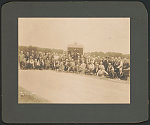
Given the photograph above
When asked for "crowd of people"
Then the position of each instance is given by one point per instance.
(112, 67)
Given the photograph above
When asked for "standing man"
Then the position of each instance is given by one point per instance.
(21, 60)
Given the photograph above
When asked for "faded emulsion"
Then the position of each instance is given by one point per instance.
(74, 60)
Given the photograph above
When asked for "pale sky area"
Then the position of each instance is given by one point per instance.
(95, 34)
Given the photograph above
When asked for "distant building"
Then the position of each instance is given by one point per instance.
(75, 50)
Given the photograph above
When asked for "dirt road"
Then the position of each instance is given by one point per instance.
(58, 87)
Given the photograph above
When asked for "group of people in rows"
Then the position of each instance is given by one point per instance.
(112, 67)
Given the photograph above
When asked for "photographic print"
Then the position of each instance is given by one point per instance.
(74, 60)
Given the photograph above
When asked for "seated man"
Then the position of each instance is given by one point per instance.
(52, 61)
(41, 63)
(77, 66)
(61, 67)
(96, 68)
(119, 68)
(110, 70)
(91, 67)
(126, 64)
(31, 62)
(57, 65)
(82, 67)
(101, 72)
(66, 65)
(36, 64)
(72, 66)
(47, 63)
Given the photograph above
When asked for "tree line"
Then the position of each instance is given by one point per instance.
(60, 51)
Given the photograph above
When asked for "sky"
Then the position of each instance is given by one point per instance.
(95, 34)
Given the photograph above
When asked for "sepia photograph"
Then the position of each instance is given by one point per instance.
(74, 60)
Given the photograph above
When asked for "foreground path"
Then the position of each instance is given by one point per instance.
(58, 87)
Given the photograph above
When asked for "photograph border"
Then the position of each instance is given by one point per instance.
(136, 111)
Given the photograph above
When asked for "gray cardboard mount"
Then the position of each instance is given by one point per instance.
(137, 111)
